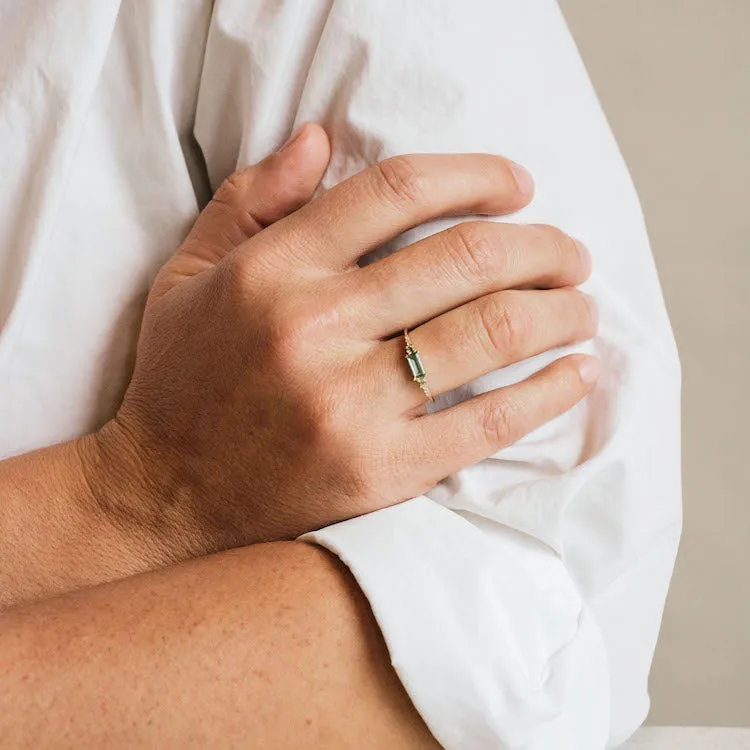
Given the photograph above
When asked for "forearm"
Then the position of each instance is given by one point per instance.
(73, 515)
(268, 646)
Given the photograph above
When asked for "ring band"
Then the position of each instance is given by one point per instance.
(416, 366)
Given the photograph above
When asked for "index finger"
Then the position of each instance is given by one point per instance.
(395, 195)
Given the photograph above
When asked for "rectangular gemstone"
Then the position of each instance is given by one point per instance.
(415, 365)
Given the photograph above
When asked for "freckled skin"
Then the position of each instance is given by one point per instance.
(272, 646)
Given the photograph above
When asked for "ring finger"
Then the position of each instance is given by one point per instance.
(484, 335)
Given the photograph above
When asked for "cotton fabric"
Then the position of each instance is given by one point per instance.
(521, 598)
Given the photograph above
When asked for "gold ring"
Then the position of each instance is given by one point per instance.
(416, 366)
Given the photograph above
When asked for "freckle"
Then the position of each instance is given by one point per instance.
(263, 675)
(308, 721)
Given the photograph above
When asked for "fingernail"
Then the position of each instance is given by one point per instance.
(584, 254)
(293, 137)
(523, 178)
(589, 369)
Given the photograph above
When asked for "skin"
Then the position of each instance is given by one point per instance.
(272, 646)
(269, 398)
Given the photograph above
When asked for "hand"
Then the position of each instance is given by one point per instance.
(271, 395)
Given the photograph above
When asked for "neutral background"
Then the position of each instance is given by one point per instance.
(674, 79)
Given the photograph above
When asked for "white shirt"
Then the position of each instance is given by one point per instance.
(521, 599)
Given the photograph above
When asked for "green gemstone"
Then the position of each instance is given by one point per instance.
(415, 365)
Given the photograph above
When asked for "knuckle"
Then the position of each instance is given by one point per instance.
(497, 423)
(470, 249)
(286, 332)
(502, 326)
(236, 277)
(246, 277)
(232, 199)
(233, 188)
(400, 181)
(562, 247)
(295, 328)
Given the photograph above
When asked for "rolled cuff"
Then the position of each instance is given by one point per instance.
(484, 627)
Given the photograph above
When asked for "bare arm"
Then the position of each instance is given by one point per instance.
(272, 646)
(55, 536)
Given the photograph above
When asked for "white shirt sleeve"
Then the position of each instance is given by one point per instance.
(521, 599)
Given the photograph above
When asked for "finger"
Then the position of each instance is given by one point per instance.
(486, 334)
(251, 199)
(458, 265)
(387, 198)
(254, 197)
(462, 435)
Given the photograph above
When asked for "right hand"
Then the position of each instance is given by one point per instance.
(271, 396)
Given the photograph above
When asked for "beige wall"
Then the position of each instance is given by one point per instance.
(674, 79)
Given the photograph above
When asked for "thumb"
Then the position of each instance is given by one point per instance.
(250, 200)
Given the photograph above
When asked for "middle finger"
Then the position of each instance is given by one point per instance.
(457, 265)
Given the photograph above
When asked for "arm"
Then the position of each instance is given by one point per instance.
(538, 627)
(54, 536)
(268, 647)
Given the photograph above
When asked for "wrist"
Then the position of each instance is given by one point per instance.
(136, 493)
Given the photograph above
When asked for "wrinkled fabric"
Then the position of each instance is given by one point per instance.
(521, 598)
